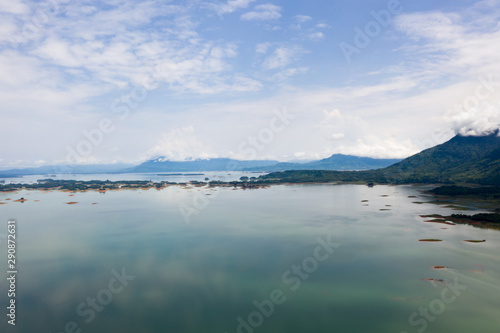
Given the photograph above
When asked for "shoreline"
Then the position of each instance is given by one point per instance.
(103, 186)
(75, 186)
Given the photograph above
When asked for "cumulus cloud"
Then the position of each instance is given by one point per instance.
(13, 7)
(480, 121)
(88, 54)
(316, 36)
(356, 141)
(287, 73)
(335, 118)
(302, 18)
(263, 13)
(229, 6)
(460, 43)
(117, 46)
(375, 147)
(337, 136)
(179, 145)
(299, 19)
(434, 25)
(283, 56)
(262, 48)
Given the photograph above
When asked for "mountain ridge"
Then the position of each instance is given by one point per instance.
(334, 162)
(161, 164)
(211, 164)
(462, 159)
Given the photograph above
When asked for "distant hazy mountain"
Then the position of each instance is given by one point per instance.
(460, 160)
(68, 169)
(334, 162)
(160, 164)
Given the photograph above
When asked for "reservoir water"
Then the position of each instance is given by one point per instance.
(301, 258)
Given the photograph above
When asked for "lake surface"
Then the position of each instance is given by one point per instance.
(301, 258)
(177, 177)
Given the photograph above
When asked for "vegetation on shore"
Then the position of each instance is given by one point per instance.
(492, 192)
(488, 195)
(104, 185)
(491, 220)
(485, 220)
(460, 160)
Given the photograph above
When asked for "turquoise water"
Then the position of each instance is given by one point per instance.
(197, 260)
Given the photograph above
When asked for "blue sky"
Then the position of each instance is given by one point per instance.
(123, 81)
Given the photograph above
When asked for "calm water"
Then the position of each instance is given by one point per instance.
(247, 261)
(225, 176)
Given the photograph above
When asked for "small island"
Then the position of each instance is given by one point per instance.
(106, 185)
(486, 196)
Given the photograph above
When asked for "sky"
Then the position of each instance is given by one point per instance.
(125, 81)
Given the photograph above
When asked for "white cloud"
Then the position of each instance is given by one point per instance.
(8, 28)
(375, 147)
(230, 6)
(464, 44)
(299, 154)
(263, 13)
(287, 73)
(435, 25)
(180, 145)
(283, 56)
(83, 59)
(481, 120)
(14, 7)
(262, 48)
(316, 36)
(299, 19)
(112, 46)
(335, 122)
(337, 136)
(302, 18)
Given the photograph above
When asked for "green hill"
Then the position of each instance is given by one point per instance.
(460, 160)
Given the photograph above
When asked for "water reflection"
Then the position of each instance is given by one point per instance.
(202, 276)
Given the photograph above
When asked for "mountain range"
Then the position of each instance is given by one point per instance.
(334, 162)
(462, 159)
(161, 164)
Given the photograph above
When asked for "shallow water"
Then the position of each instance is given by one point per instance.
(202, 259)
